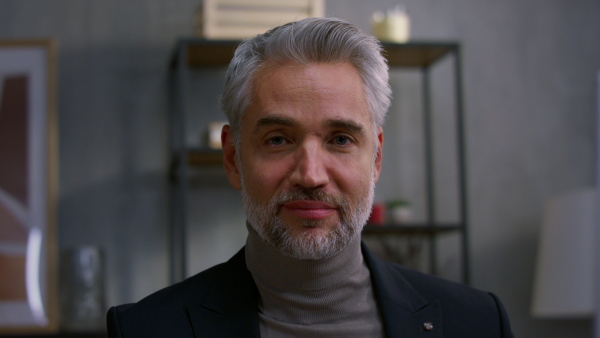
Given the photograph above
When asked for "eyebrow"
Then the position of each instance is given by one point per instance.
(289, 122)
(346, 124)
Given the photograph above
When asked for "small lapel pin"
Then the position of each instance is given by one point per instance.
(427, 326)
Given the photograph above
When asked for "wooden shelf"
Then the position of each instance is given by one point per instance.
(199, 157)
(417, 54)
(409, 229)
(209, 53)
(200, 53)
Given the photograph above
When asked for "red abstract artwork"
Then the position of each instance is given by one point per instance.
(13, 187)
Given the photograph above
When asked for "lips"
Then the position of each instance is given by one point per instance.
(307, 209)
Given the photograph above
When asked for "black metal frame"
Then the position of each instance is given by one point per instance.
(429, 160)
(197, 53)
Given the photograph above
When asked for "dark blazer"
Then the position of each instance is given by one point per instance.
(222, 302)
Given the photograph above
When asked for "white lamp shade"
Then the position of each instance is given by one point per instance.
(564, 285)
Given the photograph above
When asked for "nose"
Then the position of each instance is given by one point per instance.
(310, 166)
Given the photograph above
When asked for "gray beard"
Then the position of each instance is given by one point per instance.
(268, 224)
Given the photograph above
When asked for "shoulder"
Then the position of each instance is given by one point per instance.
(432, 287)
(167, 310)
(419, 286)
(464, 308)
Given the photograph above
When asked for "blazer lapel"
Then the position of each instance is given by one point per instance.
(229, 308)
(405, 312)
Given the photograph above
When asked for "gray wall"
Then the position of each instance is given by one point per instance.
(529, 68)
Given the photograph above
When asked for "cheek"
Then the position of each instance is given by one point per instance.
(262, 180)
(354, 179)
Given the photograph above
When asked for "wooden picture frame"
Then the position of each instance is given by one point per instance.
(28, 186)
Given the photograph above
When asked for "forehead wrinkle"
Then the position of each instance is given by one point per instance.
(301, 89)
(304, 87)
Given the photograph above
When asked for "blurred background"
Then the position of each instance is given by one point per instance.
(529, 71)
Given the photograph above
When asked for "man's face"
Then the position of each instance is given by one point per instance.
(308, 158)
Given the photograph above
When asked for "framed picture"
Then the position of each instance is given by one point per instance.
(28, 186)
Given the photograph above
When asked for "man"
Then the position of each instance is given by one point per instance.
(306, 103)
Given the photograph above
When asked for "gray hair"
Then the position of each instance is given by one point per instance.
(326, 40)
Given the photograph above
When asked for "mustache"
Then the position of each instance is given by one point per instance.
(300, 193)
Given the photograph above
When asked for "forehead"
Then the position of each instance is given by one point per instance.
(310, 92)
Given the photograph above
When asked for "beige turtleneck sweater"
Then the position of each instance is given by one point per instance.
(313, 298)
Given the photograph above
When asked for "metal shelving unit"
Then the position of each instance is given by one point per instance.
(200, 53)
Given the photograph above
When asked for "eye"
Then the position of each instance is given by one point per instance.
(341, 140)
(276, 140)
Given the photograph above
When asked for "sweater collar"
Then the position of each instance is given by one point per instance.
(268, 265)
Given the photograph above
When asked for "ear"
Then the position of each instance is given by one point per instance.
(229, 157)
(379, 155)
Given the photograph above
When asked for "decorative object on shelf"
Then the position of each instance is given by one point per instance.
(28, 186)
(399, 210)
(391, 26)
(213, 134)
(377, 214)
(240, 19)
(565, 284)
(82, 303)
